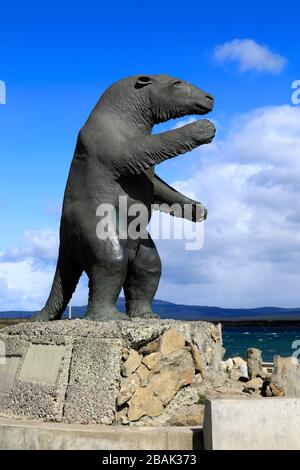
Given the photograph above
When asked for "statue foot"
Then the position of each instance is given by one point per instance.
(140, 309)
(43, 316)
(144, 316)
(106, 314)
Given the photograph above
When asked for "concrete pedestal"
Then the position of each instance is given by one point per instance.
(119, 372)
(256, 424)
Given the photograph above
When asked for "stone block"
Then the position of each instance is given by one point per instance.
(256, 424)
(286, 376)
(94, 381)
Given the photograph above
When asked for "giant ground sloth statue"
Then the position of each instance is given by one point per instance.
(115, 156)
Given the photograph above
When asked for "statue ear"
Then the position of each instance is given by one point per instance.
(143, 81)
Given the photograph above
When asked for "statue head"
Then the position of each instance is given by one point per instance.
(157, 98)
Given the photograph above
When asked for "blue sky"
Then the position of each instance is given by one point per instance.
(57, 59)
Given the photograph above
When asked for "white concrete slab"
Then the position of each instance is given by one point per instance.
(254, 424)
(34, 435)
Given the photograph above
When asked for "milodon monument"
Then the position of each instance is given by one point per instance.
(110, 369)
(114, 159)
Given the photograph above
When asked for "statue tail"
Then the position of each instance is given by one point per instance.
(66, 277)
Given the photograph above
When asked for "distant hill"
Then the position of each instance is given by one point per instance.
(195, 312)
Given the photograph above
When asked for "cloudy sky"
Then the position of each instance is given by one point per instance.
(55, 67)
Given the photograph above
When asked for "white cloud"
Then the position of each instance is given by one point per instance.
(26, 272)
(250, 184)
(41, 245)
(249, 55)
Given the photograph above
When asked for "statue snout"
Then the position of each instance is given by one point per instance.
(204, 102)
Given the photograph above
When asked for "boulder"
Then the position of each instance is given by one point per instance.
(176, 372)
(152, 360)
(276, 391)
(125, 353)
(132, 363)
(266, 372)
(253, 385)
(143, 373)
(286, 376)
(188, 416)
(144, 402)
(216, 332)
(209, 355)
(150, 347)
(128, 387)
(170, 341)
(238, 361)
(228, 364)
(254, 363)
(198, 361)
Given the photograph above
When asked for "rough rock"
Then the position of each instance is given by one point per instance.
(152, 360)
(143, 373)
(209, 355)
(121, 416)
(144, 402)
(188, 416)
(254, 363)
(286, 376)
(198, 380)
(276, 391)
(150, 347)
(170, 378)
(125, 353)
(238, 361)
(228, 364)
(253, 385)
(266, 372)
(132, 363)
(216, 332)
(170, 341)
(198, 362)
(93, 382)
(187, 396)
(128, 387)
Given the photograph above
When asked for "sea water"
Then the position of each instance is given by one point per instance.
(282, 340)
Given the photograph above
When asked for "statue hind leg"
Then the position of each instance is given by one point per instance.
(142, 280)
(106, 269)
(66, 277)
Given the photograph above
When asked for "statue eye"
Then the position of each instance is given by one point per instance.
(177, 83)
